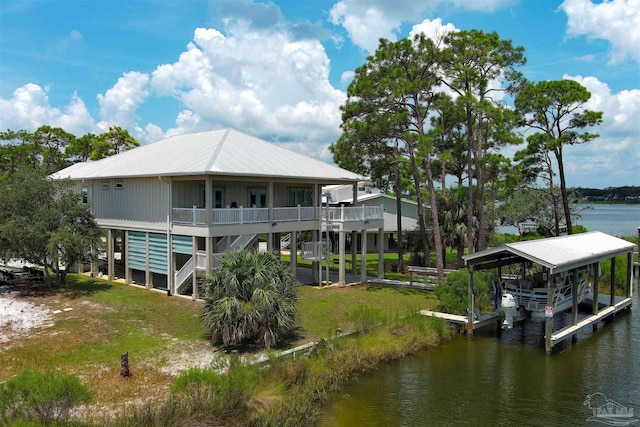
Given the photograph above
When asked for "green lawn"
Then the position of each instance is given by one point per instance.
(322, 310)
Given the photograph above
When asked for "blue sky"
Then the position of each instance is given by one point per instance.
(279, 70)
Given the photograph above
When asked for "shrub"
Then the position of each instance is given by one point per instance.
(42, 397)
(250, 298)
(453, 294)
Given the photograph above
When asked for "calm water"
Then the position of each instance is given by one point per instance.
(499, 380)
(506, 378)
(616, 220)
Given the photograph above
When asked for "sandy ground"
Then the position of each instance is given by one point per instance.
(18, 316)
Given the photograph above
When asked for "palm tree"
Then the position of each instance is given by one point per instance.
(250, 297)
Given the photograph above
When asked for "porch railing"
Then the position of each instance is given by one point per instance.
(355, 213)
(241, 215)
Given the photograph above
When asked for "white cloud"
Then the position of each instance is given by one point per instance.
(366, 21)
(262, 82)
(119, 104)
(617, 21)
(347, 76)
(433, 29)
(29, 108)
(612, 158)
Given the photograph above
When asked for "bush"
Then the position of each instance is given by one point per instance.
(251, 297)
(218, 393)
(453, 294)
(42, 397)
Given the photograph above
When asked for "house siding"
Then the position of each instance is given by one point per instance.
(140, 199)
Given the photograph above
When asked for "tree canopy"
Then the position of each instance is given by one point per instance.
(43, 222)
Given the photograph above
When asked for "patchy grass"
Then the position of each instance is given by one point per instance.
(164, 336)
(106, 320)
(322, 310)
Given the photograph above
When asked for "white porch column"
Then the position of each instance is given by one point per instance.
(171, 266)
(194, 274)
(341, 256)
(293, 253)
(148, 278)
(208, 199)
(127, 270)
(270, 243)
(208, 247)
(363, 258)
(381, 253)
(110, 255)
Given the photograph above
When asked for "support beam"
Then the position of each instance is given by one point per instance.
(574, 297)
(147, 273)
(574, 302)
(110, 255)
(293, 252)
(381, 253)
(341, 261)
(548, 327)
(194, 275)
(127, 271)
(612, 299)
(354, 252)
(363, 258)
(596, 293)
(629, 276)
(471, 306)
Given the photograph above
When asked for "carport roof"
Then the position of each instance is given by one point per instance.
(558, 254)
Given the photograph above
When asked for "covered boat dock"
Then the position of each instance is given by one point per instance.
(557, 255)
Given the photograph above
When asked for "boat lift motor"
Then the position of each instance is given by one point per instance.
(509, 307)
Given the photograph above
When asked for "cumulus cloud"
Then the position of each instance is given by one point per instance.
(29, 108)
(265, 82)
(433, 29)
(613, 157)
(366, 21)
(119, 104)
(617, 21)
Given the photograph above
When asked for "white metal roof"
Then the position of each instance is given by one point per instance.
(559, 253)
(218, 152)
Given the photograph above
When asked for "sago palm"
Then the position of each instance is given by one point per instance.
(250, 297)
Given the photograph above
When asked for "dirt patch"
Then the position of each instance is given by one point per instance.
(19, 315)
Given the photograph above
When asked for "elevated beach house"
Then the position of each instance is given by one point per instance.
(170, 208)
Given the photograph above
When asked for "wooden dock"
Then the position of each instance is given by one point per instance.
(462, 320)
(569, 331)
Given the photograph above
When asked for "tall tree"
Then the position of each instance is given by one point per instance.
(390, 98)
(535, 163)
(114, 141)
(42, 222)
(556, 109)
(50, 144)
(80, 149)
(475, 65)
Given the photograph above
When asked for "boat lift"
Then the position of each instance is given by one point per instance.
(558, 255)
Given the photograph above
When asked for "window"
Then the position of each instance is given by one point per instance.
(85, 195)
(119, 185)
(300, 196)
(218, 197)
(105, 185)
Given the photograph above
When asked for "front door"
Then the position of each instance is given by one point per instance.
(257, 197)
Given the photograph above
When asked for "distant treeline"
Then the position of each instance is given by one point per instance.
(627, 194)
